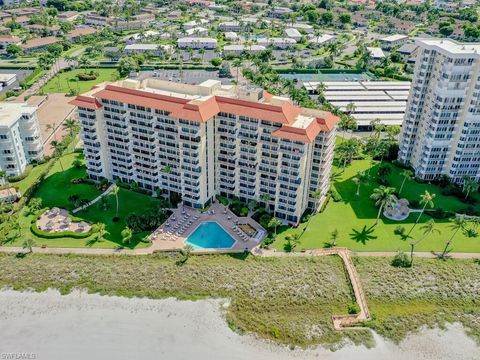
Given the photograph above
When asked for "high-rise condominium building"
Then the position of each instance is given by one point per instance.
(441, 130)
(20, 138)
(202, 140)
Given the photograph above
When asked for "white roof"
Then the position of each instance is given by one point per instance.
(376, 52)
(302, 26)
(450, 46)
(291, 32)
(276, 41)
(194, 30)
(147, 47)
(395, 37)
(322, 38)
(11, 112)
(231, 35)
(197, 39)
(7, 77)
(239, 47)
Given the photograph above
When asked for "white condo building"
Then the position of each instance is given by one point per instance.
(20, 138)
(441, 130)
(202, 140)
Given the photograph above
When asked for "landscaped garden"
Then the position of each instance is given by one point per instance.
(68, 81)
(66, 187)
(349, 220)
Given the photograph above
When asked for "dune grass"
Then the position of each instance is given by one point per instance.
(287, 300)
(431, 293)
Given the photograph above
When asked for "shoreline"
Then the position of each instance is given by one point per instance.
(81, 325)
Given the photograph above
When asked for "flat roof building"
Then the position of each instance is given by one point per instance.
(213, 139)
(20, 139)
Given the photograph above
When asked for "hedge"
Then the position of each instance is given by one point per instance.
(46, 235)
(20, 177)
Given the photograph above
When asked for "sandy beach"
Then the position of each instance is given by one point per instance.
(78, 326)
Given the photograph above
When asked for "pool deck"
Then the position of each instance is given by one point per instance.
(166, 237)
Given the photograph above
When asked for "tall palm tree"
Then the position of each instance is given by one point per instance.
(57, 151)
(274, 222)
(3, 175)
(383, 196)
(317, 196)
(360, 179)
(52, 127)
(115, 190)
(29, 243)
(428, 228)
(70, 125)
(237, 62)
(407, 175)
(127, 234)
(469, 186)
(458, 224)
(426, 199)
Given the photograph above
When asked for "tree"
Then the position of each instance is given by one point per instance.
(101, 231)
(401, 260)
(70, 125)
(317, 195)
(57, 151)
(126, 65)
(469, 186)
(426, 199)
(274, 223)
(3, 175)
(360, 179)
(237, 63)
(13, 50)
(458, 224)
(35, 204)
(407, 175)
(428, 228)
(333, 237)
(115, 190)
(345, 18)
(383, 196)
(127, 234)
(84, 62)
(29, 243)
(292, 241)
(216, 61)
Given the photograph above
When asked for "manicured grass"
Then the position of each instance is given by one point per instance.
(57, 188)
(129, 202)
(288, 300)
(430, 293)
(34, 174)
(67, 80)
(354, 217)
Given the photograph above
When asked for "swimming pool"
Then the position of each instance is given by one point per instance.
(210, 235)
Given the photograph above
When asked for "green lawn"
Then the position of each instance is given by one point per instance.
(67, 80)
(57, 188)
(354, 217)
(55, 191)
(34, 174)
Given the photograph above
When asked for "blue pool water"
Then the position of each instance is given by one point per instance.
(210, 235)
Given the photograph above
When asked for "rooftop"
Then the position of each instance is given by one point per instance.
(10, 112)
(451, 47)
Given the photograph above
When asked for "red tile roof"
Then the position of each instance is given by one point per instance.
(202, 111)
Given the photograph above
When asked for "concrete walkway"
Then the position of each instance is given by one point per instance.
(106, 192)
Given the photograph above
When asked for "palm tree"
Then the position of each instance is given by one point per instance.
(101, 232)
(70, 125)
(115, 190)
(320, 89)
(426, 199)
(237, 63)
(57, 151)
(407, 175)
(317, 195)
(3, 174)
(52, 127)
(428, 228)
(351, 108)
(458, 224)
(274, 223)
(334, 237)
(360, 179)
(382, 196)
(469, 186)
(127, 234)
(84, 62)
(29, 243)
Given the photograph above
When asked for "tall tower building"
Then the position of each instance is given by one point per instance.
(441, 129)
(199, 141)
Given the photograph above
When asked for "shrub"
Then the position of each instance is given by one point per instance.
(77, 181)
(401, 260)
(222, 200)
(470, 210)
(399, 230)
(87, 77)
(353, 308)
(46, 235)
(20, 177)
(335, 195)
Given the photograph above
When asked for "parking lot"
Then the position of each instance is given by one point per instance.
(21, 74)
(193, 77)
